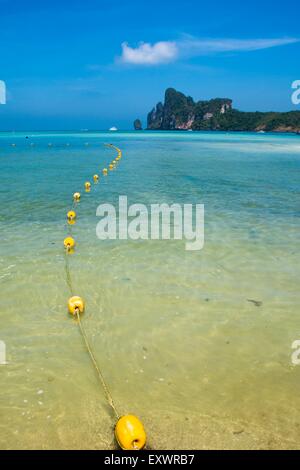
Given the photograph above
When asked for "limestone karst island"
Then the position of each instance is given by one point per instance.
(180, 112)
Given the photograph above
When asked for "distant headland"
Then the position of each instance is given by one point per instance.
(180, 112)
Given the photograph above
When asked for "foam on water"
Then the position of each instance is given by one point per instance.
(179, 338)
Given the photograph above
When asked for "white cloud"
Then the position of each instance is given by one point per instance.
(168, 51)
(193, 46)
(149, 54)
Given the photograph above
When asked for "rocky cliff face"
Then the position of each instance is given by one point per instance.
(180, 112)
(155, 117)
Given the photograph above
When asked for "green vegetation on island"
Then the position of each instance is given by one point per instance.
(180, 112)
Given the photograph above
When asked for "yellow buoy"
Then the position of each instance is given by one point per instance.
(111, 167)
(130, 433)
(76, 196)
(104, 171)
(87, 186)
(69, 244)
(96, 178)
(71, 216)
(75, 304)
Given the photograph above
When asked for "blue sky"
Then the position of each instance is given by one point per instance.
(93, 64)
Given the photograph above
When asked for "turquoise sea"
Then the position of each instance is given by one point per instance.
(198, 344)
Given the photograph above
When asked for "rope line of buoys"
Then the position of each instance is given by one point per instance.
(129, 430)
(49, 144)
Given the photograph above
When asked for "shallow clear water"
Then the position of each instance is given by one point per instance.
(178, 341)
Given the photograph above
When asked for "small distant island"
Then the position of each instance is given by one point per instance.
(137, 125)
(180, 112)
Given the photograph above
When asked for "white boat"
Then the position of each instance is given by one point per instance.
(113, 129)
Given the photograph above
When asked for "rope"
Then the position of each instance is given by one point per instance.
(100, 375)
(68, 273)
(81, 328)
